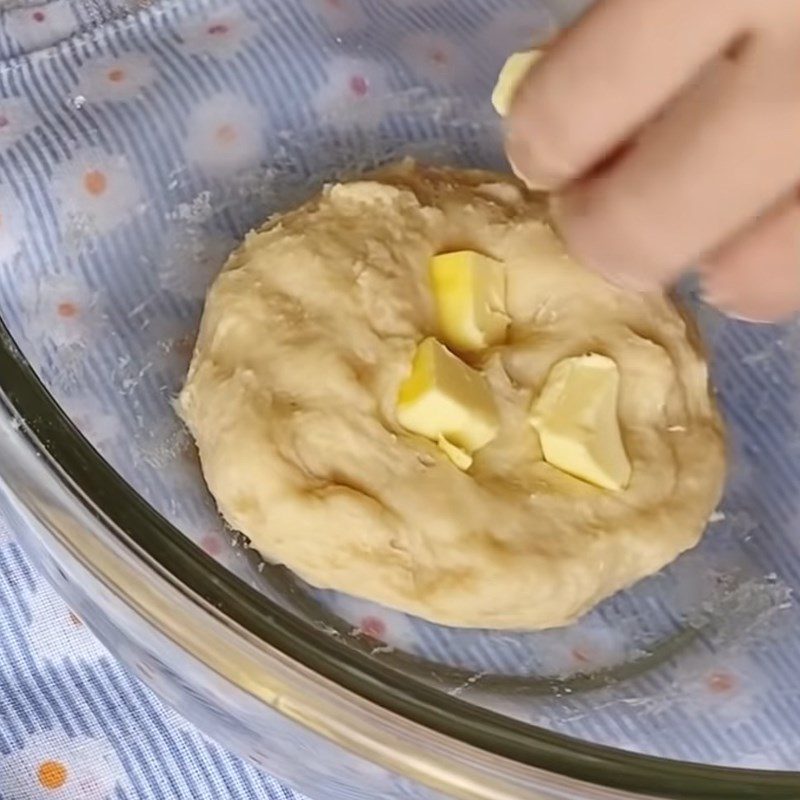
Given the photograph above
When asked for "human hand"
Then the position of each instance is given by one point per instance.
(669, 132)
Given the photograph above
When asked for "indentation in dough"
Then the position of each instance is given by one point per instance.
(291, 399)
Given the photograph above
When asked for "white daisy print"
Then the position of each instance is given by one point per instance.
(12, 225)
(355, 91)
(224, 135)
(17, 118)
(56, 633)
(62, 310)
(727, 687)
(116, 79)
(221, 33)
(54, 766)
(341, 16)
(95, 191)
(35, 27)
(102, 429)
(385, 627)
(583, 648)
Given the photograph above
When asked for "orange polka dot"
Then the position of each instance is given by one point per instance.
(95, 182)
(52, 774)
(211, 544)
(116, 75)
(721, 682)
(358, 85)
(226, 134)
(67, 309)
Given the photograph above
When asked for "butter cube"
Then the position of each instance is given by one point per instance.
(576, 418)
(470, 293)
(461, 458)
(511, 75)
(446, 401)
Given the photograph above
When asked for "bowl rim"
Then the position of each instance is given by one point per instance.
(38, 420)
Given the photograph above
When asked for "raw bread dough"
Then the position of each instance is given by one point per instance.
(306, 336)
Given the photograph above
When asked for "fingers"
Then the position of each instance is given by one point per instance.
(605, 77)
(721, 153)
(757, 275)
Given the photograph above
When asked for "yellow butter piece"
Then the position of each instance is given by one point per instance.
(470, 293)
(461, 458)
(445, 400)
(511, 75)
(576, 418)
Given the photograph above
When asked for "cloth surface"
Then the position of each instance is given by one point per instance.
(75, 725)
(135, 151)
(130, 146)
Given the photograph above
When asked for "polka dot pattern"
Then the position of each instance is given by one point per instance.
(33, 27)
(52, 774)
(132, 160)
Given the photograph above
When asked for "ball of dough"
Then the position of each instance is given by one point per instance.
(306, 336)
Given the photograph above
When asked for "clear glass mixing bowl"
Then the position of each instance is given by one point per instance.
(135, 149)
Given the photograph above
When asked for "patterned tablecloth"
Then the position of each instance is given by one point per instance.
(75, 725)
(139, 140)
(166, 91)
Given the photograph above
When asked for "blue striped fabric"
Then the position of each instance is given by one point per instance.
(74, 725)
(135, 150)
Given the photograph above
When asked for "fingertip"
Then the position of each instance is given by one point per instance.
(743, 311)
(739, 297)
(523, 174)
(522, 151)
(534, 153)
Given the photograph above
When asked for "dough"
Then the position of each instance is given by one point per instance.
(306, 336)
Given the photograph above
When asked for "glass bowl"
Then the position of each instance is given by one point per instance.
(138, 147)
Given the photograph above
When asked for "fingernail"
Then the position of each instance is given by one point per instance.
(519, 158)
(710, 292)
(732, 313)
(534, 187)
(714, 293)
(717, 291)
(539, 170)
(749, 320)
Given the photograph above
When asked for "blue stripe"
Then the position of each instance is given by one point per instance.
(281, 71)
